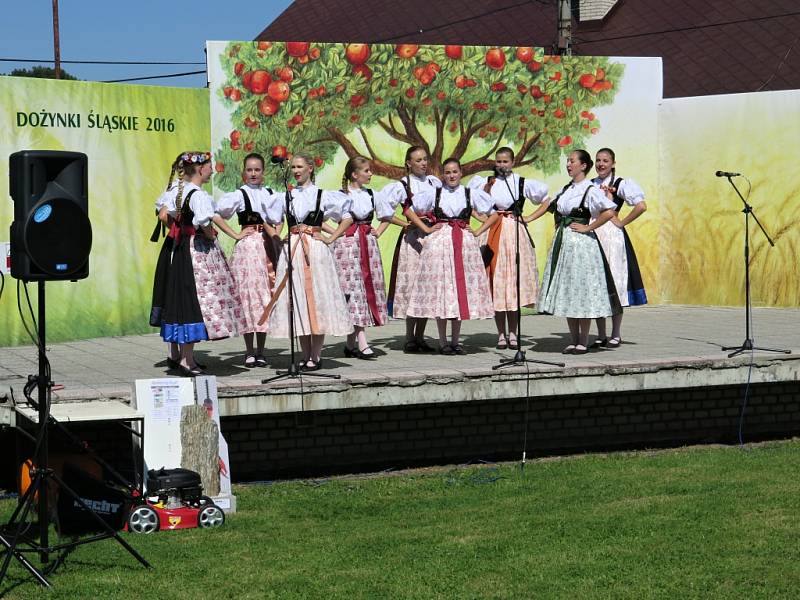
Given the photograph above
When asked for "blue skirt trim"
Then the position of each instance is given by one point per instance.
(637, 297)
(185, 333)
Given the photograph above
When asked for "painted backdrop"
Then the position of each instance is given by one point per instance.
(703, 226)
(131, 134)
(339, 100)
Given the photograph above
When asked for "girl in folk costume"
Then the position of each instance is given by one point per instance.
(577, 282)
(254, 257)
(358, 258)
(509, 192)
(164, 228)
(616, 243)
(410, 243)
(200, 300)
(319, 306)
(451, 279)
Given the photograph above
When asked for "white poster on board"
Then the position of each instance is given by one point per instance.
(182, 430)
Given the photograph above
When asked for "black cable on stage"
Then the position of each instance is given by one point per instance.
(34, 338)
(527, 411)
(2, 282)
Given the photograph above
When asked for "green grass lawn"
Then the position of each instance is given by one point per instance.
(696, 523)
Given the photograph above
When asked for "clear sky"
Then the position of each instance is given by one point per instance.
(141, 30)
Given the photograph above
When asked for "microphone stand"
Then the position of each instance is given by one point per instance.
(519, 356)
(293, 372)
(748, 344)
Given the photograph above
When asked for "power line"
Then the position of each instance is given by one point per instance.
(488, 13)
(100, 62)
(688, 28)
(153, 77)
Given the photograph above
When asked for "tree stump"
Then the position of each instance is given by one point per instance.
(200, 446)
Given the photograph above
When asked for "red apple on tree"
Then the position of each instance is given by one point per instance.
(357, 54)
(297, 49)
(364, 71)
(268, 107)
(495, 59)
(278, 91)
(407, 50)
(524, 54)
(285, 74)
(453, 52)
(259, 82)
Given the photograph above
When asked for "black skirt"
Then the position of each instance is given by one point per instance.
(160, 282)
(181, 318)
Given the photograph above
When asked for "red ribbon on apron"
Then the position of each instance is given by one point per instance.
(178, 229)
(362, 230)
(457, 228)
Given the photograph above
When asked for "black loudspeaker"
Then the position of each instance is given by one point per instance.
(51, 235)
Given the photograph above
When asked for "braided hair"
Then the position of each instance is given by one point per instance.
(351, 167)
(186, 165)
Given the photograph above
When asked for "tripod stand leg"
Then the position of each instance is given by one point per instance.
(12, 552)
(21, 513)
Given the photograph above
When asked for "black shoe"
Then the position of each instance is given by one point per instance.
(360, 354)
(599, 343)
(411, 347)
(459, 349)
(447, 350)
(350, 352)
(260, 360)
(173, 364)
(190, 372)
(425, 346)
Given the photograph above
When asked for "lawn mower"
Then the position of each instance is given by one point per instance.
(174, 500)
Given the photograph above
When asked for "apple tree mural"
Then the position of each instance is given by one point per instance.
(461, 101)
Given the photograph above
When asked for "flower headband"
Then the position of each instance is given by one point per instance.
(196, 157)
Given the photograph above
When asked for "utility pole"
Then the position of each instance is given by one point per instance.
(56, 42)
(565, 27)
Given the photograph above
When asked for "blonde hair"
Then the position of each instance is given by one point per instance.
(309, 160)
(184, 166)
(351, 167)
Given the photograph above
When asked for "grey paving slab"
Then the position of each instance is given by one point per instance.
(654, 337)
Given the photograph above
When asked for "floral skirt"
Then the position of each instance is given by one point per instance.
(578, 285)
(347, 254)
(216, 292)
(251, 273)
(411, 244)
(435, 293)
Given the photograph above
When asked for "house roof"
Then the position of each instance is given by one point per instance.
(707, 46)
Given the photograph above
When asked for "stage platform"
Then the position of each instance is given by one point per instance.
(664, 347)
(668, 384)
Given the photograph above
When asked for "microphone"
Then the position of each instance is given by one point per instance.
(727, 174)
(276, 160)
